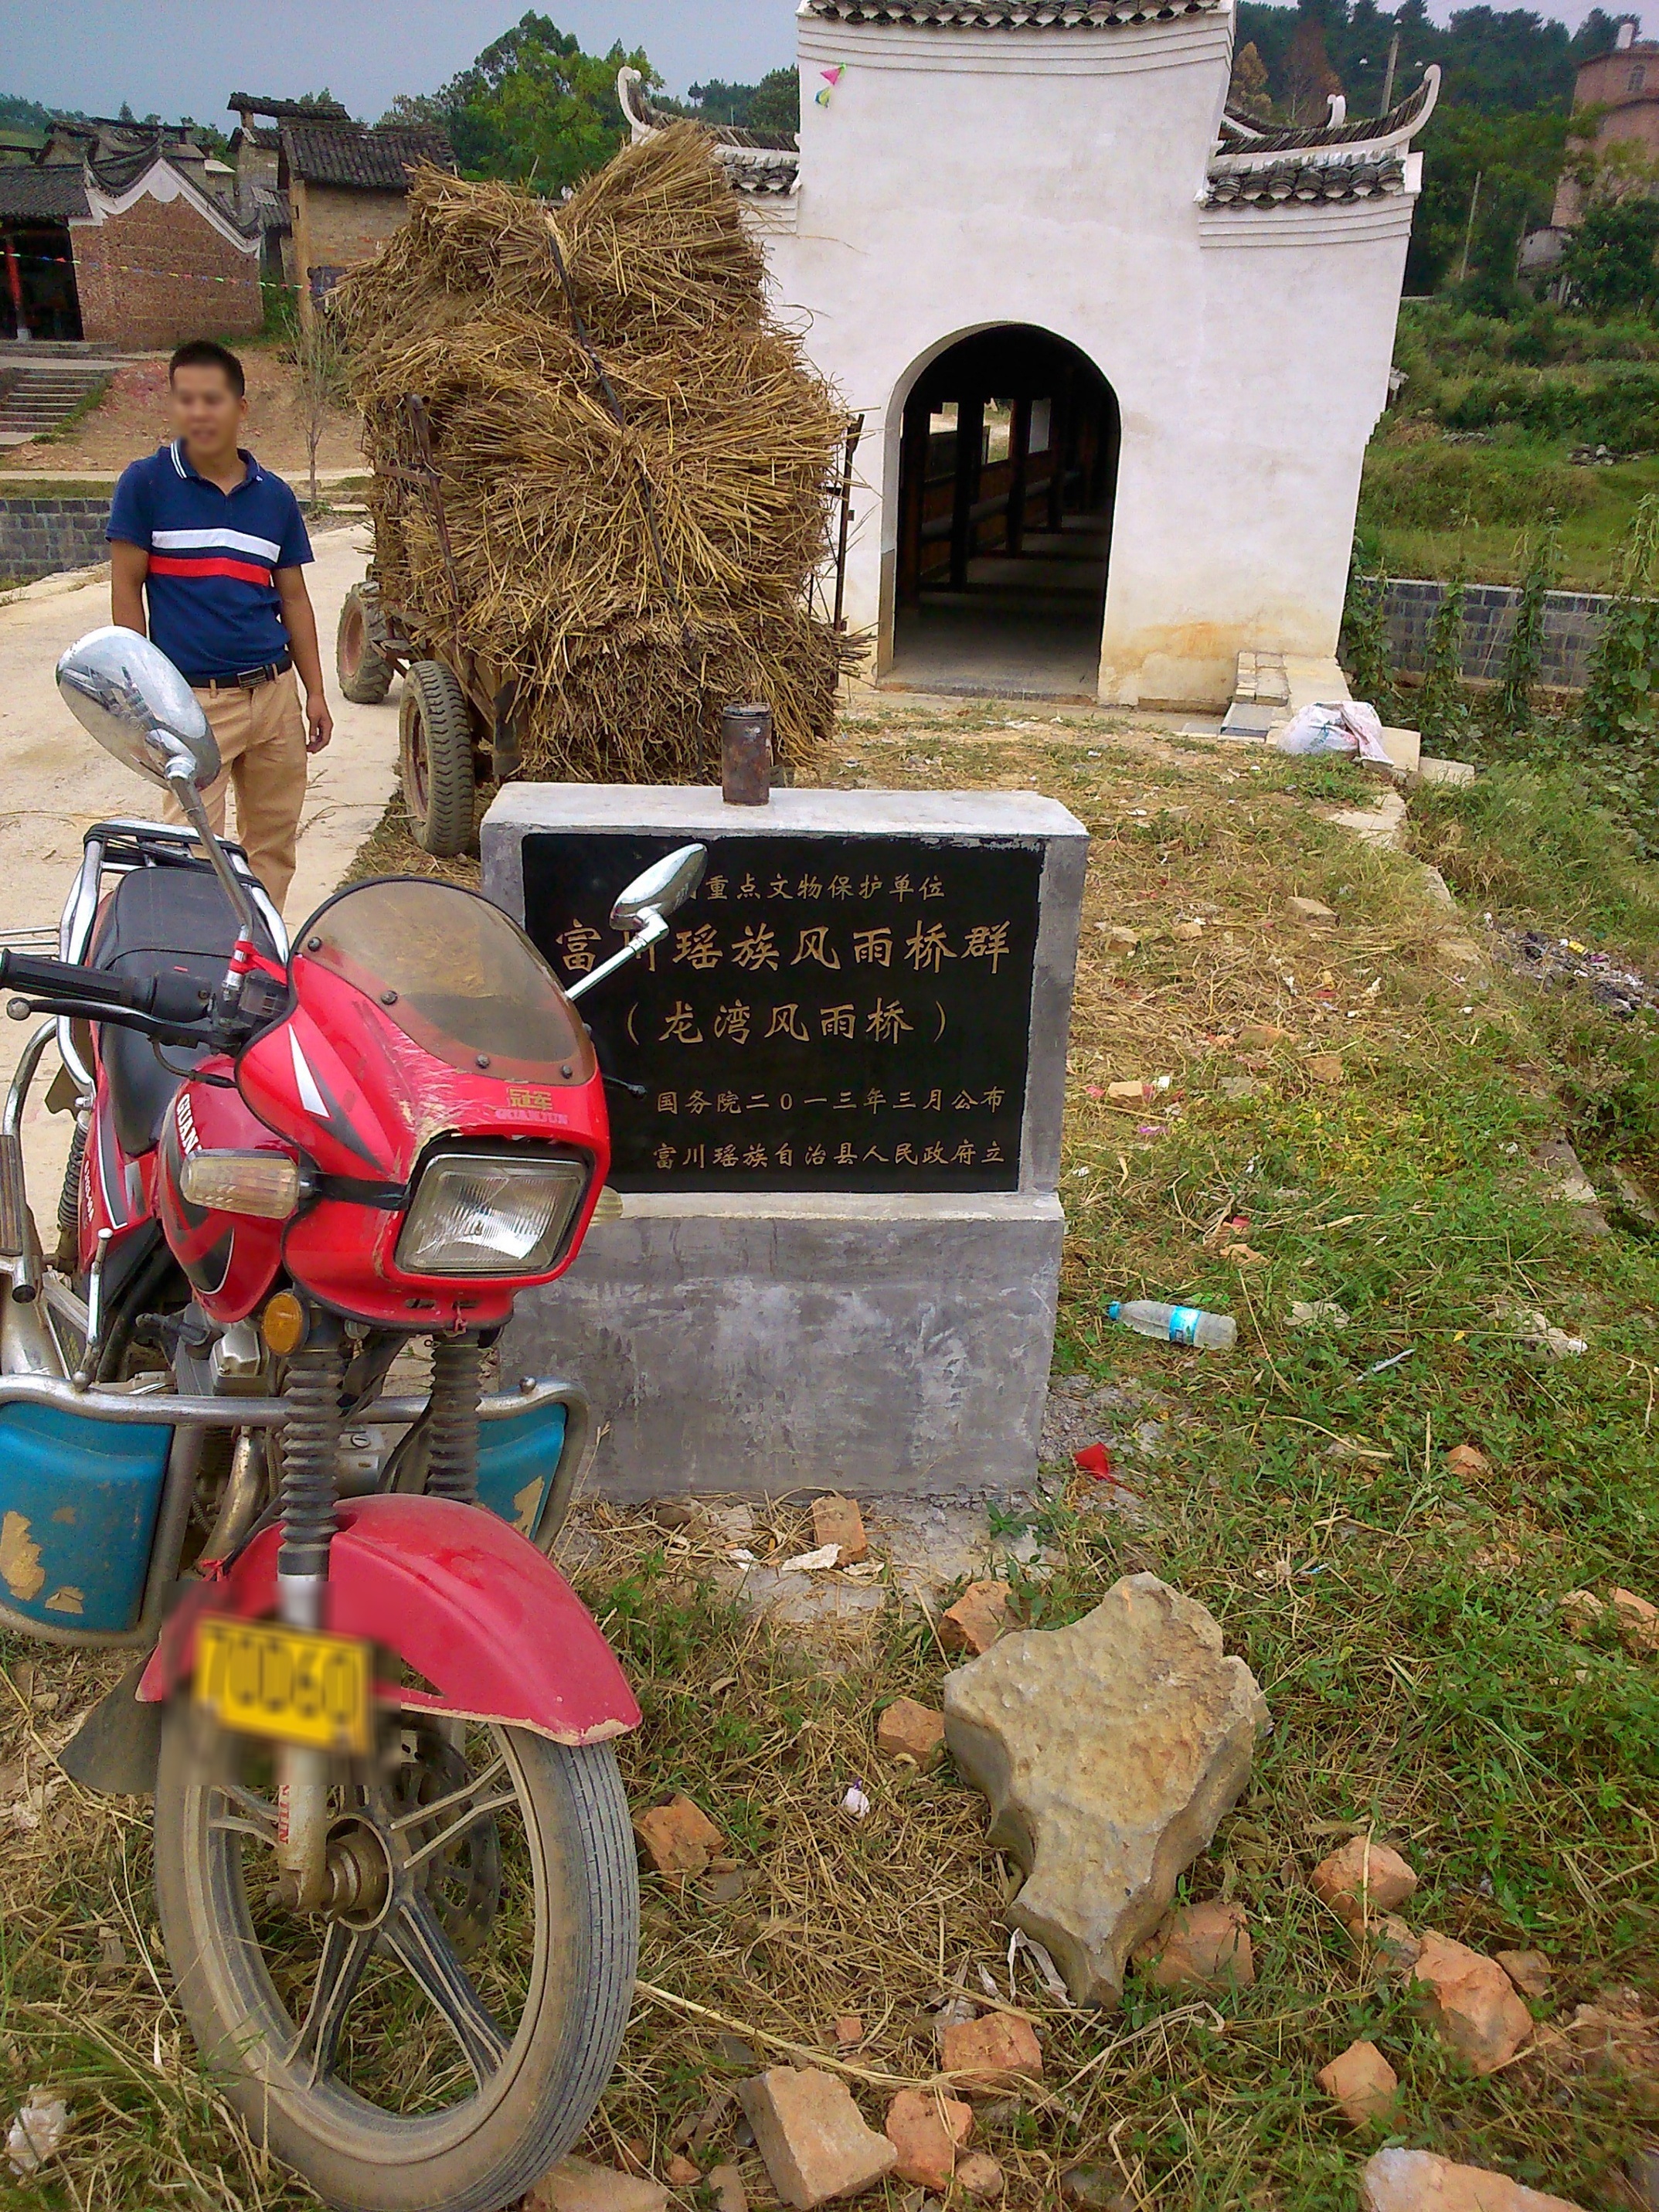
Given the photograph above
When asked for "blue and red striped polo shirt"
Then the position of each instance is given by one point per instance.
(211, 593)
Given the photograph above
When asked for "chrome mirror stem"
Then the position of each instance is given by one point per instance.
(654, 927)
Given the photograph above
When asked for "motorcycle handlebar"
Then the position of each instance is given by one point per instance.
(173, 998)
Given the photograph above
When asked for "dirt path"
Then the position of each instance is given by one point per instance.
(56, 783)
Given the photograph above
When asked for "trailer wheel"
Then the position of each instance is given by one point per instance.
(365, 676)
(434, 733)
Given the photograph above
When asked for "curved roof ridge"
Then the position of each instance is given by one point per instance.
(1007, 15)
(1402, 121)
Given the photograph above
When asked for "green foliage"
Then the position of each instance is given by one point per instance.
(1443, 715)
(1608, 263)
(534, 108)
(1621, 699)
(1365, 644)
(1529, 837)
(1432, 486)
(1517, 157)
(773, 104)
(1523, 656)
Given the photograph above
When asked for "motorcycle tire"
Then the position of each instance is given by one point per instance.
(312, 2096)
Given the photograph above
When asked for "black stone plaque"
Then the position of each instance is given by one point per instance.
(829, 1014)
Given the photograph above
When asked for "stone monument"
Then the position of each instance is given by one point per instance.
(835, 1108)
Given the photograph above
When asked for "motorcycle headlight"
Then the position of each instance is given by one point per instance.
(484, 1213)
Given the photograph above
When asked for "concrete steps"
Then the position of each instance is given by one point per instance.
(39, 386)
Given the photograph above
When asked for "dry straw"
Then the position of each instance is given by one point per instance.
(634, 464)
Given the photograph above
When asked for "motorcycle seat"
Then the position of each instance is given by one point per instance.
(172, 920)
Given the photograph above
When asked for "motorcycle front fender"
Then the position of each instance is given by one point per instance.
(460, 1597)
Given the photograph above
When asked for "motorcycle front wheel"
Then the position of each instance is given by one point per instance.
(440, 2036)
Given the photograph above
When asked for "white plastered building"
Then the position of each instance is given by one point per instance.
(1117, 352)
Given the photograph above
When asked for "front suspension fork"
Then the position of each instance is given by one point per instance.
(310, 1450)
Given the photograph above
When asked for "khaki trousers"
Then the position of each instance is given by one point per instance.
(261, 735)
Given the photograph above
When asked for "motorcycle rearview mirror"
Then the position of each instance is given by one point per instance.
(663, 889)
(130, 697)
(642, 911)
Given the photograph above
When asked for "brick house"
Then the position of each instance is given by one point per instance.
(256, 153)
(120, 234)
(348, 191)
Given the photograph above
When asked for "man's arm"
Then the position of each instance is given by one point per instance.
(129, 565)
(299, 621)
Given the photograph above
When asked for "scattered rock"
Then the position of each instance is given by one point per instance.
(1637, 1622)
(1536, 1333)
(838, 1520)
(1471, 2002)
(980, 2176)
(1361, 2083)
(1397, 1947)
(1417, 2181)
(926, 2133)
(726, 1886)
(1460, 952)
(1324, 1067)
(730, 2195)
(1319, 1313)
(1530, 1971)
(1190, 931)
(677, 1838)
(996, 2052)
(979, 1616)
(1238, 1088)
(682, 2174)
(1201, 1943)
(1108, 1751)
(574, 2186)
(1468, 1459)
(812, 2136)
(908, 1730)
(1117, 934)
(1616, 2036)
(1309, 910)
(1363, 1877)
(1094, 2188)
(1132, 1091)
(1631, 1196)
(1260, 1037)
(850, 2031)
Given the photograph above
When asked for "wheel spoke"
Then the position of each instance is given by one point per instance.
(416, 1938)
(422, 1814)
(456, 1829)
(345, 1953)
(259, 1815)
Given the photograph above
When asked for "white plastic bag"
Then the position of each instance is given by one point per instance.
(1336, 726)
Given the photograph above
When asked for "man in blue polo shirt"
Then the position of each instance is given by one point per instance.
(217, 546)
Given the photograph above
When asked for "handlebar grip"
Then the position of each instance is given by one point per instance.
(65, 979)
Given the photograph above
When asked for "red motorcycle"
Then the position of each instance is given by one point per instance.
(394, 1861)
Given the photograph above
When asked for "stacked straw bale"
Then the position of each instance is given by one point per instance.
(635, 578)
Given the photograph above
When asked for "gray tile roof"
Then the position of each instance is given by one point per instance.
(348, 154)
(1008, 14)
(774, 174)
(1405, 116)
(1295, 182)
(53, 192)
(250, 103)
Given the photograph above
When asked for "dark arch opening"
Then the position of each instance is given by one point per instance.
(1007, 480)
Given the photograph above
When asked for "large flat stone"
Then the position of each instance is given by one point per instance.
(1110, 1751)
(1417, 2181)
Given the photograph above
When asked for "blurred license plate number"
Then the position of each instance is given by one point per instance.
(290, 1684)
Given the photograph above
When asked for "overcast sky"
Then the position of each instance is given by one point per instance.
(182, 57)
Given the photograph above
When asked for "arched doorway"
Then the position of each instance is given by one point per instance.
(1007, 479)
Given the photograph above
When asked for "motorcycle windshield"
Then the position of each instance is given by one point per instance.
(455, 975)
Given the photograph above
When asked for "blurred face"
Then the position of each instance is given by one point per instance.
(207, 414)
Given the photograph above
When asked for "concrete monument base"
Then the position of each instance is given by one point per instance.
(771, 1343)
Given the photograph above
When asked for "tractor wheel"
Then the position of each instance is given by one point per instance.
(434, 731)
(365, 676)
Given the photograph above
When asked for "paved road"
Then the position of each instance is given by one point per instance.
(55, 782)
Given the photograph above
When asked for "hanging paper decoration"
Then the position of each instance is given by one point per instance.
(831, 78)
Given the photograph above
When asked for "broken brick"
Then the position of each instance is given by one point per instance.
(682, 2174)
(1471, 2002)
(1363, 1877)
(812, 2136)
(1260, 1037)
(1310, 910)
(1361, 2084)
(926, 2133)
(1397, 2180)
(977, 1619)
(996, 2052)
(837, 1521)
(1324, 1067)
(677, 1838)
(980, 2176)
(1637, 1622)
(1200, 1943)
(849, 2030)
(1468, 1459)
(1530, 1971)
(910, 1730)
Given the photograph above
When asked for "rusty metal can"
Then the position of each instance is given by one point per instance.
(746, 755)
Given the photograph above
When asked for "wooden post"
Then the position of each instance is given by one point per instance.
(970, 444)
(1019, 455)
(913, 498)
(1060, 441)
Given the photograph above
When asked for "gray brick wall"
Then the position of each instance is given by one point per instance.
(1572, 623)
(38, 536)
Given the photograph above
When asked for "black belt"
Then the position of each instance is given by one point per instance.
(244, 679)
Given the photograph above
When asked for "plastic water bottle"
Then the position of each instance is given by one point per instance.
(1176, 1324)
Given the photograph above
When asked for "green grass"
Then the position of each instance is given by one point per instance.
(1425, 507)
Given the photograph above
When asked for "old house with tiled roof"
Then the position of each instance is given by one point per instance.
(126, 234)
(1117, 352)
(347, 190)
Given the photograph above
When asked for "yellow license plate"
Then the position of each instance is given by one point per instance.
(293, 1685)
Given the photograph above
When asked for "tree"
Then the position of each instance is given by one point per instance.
(773, 104)
(1518, 158)
(1308, 78)
(1248, 93)
(532, 108)
(317, 353)
(1607, 264)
